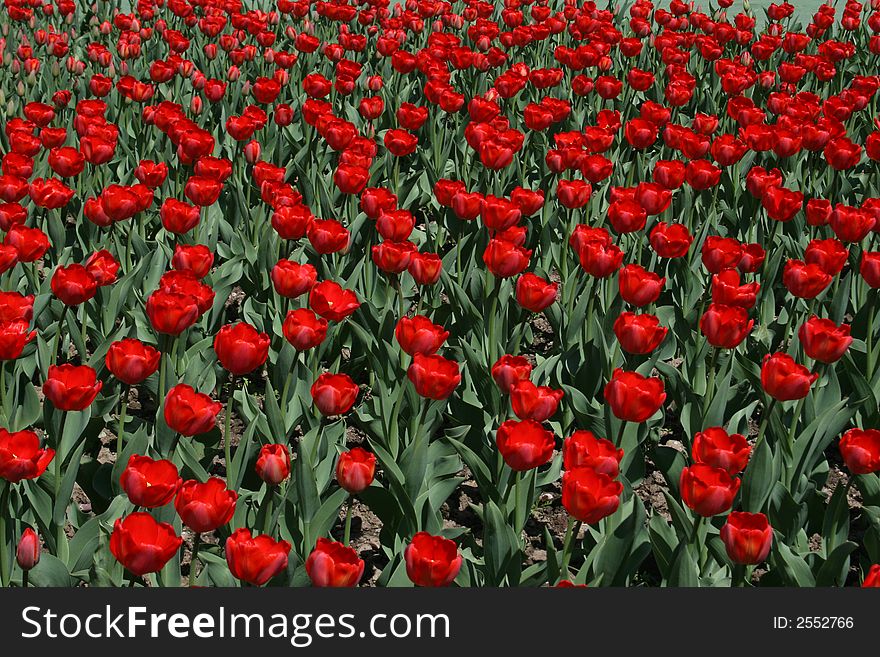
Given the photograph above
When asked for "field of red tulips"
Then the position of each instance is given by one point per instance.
(359, 293)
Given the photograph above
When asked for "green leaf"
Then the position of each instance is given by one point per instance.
(759, 478)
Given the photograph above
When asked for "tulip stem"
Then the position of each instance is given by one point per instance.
(4, 546)
(284, 393)
(493, 334)
(571, 531)
(346, 537)
(519, 516)
(85, 328)
(163, 362)
(710, 385)
(60, 537)
(123, 409)
(872, 314)
(738, 576)
(24, 579)
(3, 391)
(789, 442)
(620, 433)
(765, 420)
(58, 335)
(193, 562)
(227, 434)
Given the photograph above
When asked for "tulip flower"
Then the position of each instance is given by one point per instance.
(334, 394)
(255, 559)
(142, 544)
(203, 507)
(747, 537)
(418, 335)
(707, 490)
(434, 377)
(633, 397)
(860, 449)
(150, 483)
(273, 464)
(582, 449)
(715, 447)
(333, 564)
(432, 561)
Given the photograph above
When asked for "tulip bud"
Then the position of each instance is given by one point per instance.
(273, 464)
(28, 552)
(252, 151)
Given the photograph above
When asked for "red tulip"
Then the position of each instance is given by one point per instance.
(582, 449)
(332, 302)
(860, 449)
(273, 464)
(869, 268)
(170, 312)
(639, 334)
(103, 267)
(73, 284)
(196, 258)
(633, 397)
(292, 279)
(725, 327)
(204, 507)
(255, 559)
(292, 222)
(638, 286)
(240, 348)
(573, 193)
(434, 377)
(841, 153)
(202, 191)
(715, 447)
(304, 329)
(71, 387)
(14, 335)
(505, 259)
(803, 280)
(355, 470)
(425, 268)
(872, 578)
(782, 204)
(179, 217)
(328, 236)
(150, 483)
(727, 291)
(188, 412)
(27, 552)
(534, 293)
(525, 445)
(670, 240)
(334, 394)
(508, 370)
(830, 255)
(783, 379)
(332, 564)
(418, 335)
(851, 224)
(823, 340)
(720, 253)
(432, 561)
(21, 456)
(707, 490)
(131, 361)
(142, 544)
(531, 402)
(588, 495)
(747, 537)
(393, 257)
